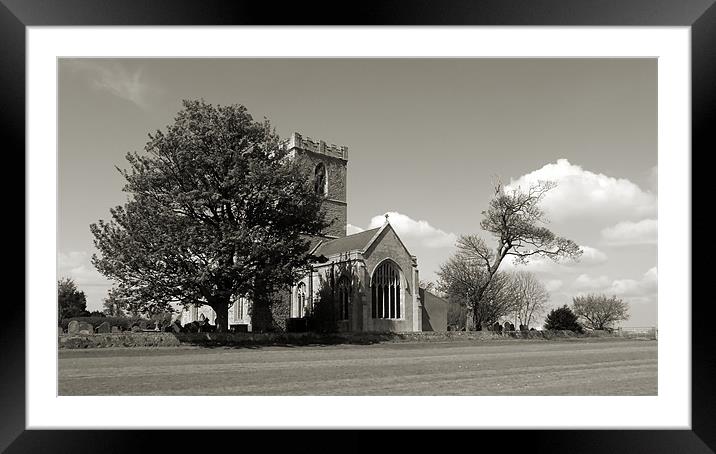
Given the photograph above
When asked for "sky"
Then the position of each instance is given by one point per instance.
(426, 138)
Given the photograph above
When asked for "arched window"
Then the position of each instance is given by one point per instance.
(344, 298)
(385, 289)
(241, 308)
(320, 179)
(301, 299)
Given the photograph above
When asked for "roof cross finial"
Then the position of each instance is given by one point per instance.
(386, 218)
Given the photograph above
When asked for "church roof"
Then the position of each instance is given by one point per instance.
(355, 242)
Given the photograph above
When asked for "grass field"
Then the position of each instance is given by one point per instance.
(510, 367)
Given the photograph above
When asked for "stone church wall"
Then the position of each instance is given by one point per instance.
(434, 312)
(389, 246)
(336, 213)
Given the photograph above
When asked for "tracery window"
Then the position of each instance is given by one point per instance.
(385, 289)
(240, 308)
(301, 299)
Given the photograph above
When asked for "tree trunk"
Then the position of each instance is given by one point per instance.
(261, 317)
(221, 308)
(476, 322)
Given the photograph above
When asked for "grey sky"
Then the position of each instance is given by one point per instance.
(425, 137)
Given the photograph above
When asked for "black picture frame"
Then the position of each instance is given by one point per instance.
(699, 15)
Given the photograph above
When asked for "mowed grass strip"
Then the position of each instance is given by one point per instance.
(455, 368)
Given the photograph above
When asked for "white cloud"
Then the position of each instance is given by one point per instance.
(643, 289)
(590, 257)
(116, 79)
(351, 229)
(647, 285)
(587, 195)
(553, 285)
(72, 259)
(77, 265)
(627, 232)
(584, 281)
(654, 179)
(413, 231)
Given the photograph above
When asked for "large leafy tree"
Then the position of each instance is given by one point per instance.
(518, 225)
(600, 311)
(71, 301)
(216, 210)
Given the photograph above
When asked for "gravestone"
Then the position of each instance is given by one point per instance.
(136, 329)
(115, 329)
(85, 328)
(73, 327)
(104, 328)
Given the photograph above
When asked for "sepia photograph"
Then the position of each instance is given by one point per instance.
(357, 226)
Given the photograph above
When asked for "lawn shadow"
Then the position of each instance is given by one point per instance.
(287, 340)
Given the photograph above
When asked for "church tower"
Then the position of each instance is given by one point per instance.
(329, 168)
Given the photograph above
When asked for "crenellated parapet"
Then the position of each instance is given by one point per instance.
(316, 146)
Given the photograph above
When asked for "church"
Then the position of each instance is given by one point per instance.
(371, 276)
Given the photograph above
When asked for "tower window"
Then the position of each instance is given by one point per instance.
(320, 183)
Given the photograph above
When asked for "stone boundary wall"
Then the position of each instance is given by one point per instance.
(258, 339)
(125, 339)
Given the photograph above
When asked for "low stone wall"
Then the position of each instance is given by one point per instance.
(127, 339)
(145, 339)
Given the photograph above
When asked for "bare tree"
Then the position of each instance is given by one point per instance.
(463, 280)
(516, 221)
(456, 314)
(531, 296)
(430, 286)
(600, 311)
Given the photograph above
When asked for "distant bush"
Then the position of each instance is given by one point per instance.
(562, 319)
(124, 323)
